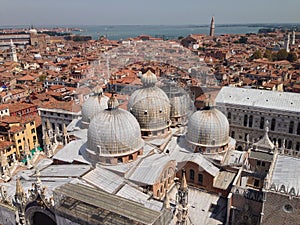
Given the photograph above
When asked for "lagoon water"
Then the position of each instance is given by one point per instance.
(119, 32)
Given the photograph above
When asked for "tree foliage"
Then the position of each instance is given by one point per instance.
(282, 54)
(243, 40)
(256, 55)
(292, 57)
(268, 54)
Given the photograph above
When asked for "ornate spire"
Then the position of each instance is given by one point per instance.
(265, 143)
(183, 185)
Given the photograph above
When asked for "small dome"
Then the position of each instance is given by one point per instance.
(114, 132)
(208, 128)
(150, 105)
(181, 103)
(149, 79)
(93, 105)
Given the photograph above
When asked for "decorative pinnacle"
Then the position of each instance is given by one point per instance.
(267, 127)
(113, 102)
(183, 185)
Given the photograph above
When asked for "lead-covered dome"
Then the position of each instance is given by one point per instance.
(181, 104)
(113, 132)
(150, 105)
(208, 128)
(92, 106)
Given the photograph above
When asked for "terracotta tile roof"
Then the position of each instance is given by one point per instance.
(3, 106)
(26, 78)
(16, 129)
(10, 119)
(5, 144)
(70, 106)
(15, 107)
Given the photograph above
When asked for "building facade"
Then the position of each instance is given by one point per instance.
(248, 110)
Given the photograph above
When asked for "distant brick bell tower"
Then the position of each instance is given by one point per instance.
(212, 27)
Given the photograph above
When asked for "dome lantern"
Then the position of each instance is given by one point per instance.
(149, 79)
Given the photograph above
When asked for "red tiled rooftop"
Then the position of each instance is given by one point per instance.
(16, 129)
(5, 144)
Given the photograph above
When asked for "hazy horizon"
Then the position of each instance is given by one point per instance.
(140, 12)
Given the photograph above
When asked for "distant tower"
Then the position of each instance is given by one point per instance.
(13, 52)
(293, 37)
(212, 27)
(287, 42)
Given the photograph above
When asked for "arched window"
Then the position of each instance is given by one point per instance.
(273, 123)
(290, 144)
(250, 121)
(291, 127)
(298, 129)
(192, 174)
(200, 178)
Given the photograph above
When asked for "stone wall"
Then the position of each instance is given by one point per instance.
(7, 215)
(280, 209)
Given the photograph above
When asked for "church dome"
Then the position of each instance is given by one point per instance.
(181, 103)
(92, 106)
(208, 128)
(150, 105)
(113, 132)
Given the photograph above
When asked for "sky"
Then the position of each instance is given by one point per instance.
(143, 12)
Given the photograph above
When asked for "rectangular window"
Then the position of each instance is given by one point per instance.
(245, 120)
(262, 123)
(298, 146)
(232, 134)
(246, 137)
(273, 124)
(256, 182)
(250, 121)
